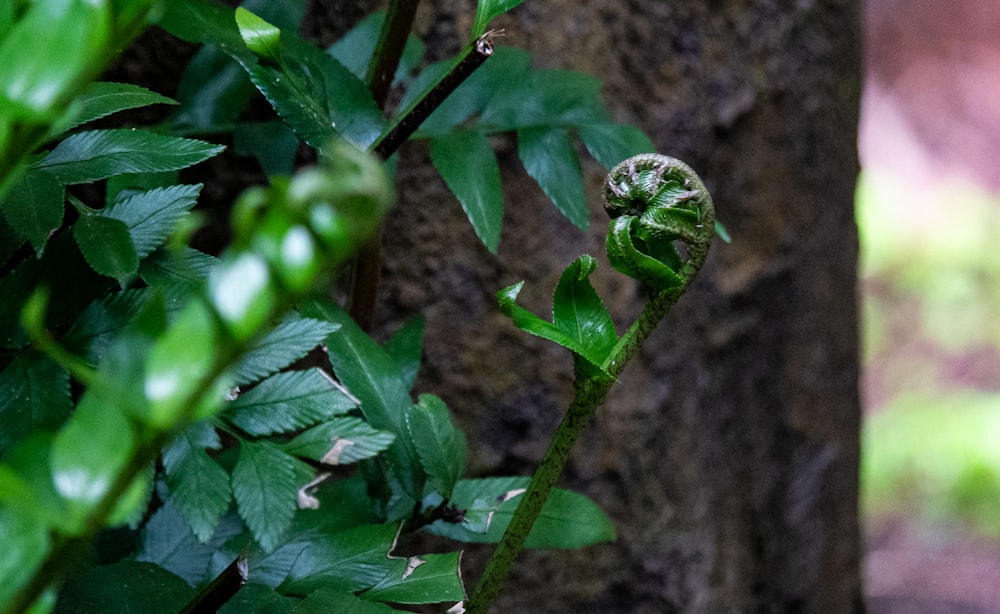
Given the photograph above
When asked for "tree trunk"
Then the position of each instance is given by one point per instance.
(728, 455)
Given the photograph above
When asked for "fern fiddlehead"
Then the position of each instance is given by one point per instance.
(663, 220)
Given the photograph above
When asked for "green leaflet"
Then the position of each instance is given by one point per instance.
(339, 442)
(260, 37)
(405, 347)
(151, 216)
(265, 481)
(427, 578)
(353, 560)
(199, 488)
(581, 323)
(568, 519)
(107, 247)
(355, 49)
(549, 158)
(487, 11)
(126, 586)
(440, 446)
(374, 378)
(167, 541)
(105, 98)
(610, 143)
(468, 165)
(34, 396)
(286, 402)
(34, 207)
(97, 154)
(290, 340)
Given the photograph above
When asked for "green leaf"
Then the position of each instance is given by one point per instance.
(610, 143)
(547, 99)
(440, 445)
(273, 144)
(339, 442)
(201, 21)
(568, 519)
(152, 216)
(126, 586)
(342, 602)
(102, 322)
(253, 598)
(468, 165)
(199, 487)
(89, 452)
(288, 401)
(317, 97)
(581, 321)
(34, 207)
(353, 560)
(260, 37)
(405, 348)
(48, 54)
(26, 543)
(97, 154)
(487, 11)
(34, 396)
(105, 98)
(265, 483)
(549, 158)
(10, 241)
(166, 269)
(107, 247)
(627, 257)
(372, 376)
(428, 578)
(167, 541)
(355, 49)
(213, 91)
(281, 346)
(578, 310)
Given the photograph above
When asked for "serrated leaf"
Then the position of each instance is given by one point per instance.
(339, 442)
(373, 377)
(151, 216)
(281, 346)
(610, 143)
(547, 99)
(265, 482)
(34, 396)
(107, 247)
(105, 98)
(440, 446)
(317, 97)
(568, 519)
(581, 323)
(126, 586)
(34, 207)
(487, 11)
(469, 167)
(102, 321)
(167, 541)
(288, 401)
(405, 348)
(353, 560)
(97, 154)
(427, 578)
(165, 268)
(199, 487)
(549, 158)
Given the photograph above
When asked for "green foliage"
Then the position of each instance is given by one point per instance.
(152, 396)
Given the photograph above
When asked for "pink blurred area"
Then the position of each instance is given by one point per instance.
(931, 103)
(930, 116)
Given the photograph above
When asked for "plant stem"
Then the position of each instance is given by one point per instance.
(589, 394)
(391, 42)
(416, 113)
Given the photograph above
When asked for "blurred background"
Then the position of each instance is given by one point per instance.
(928, 209)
